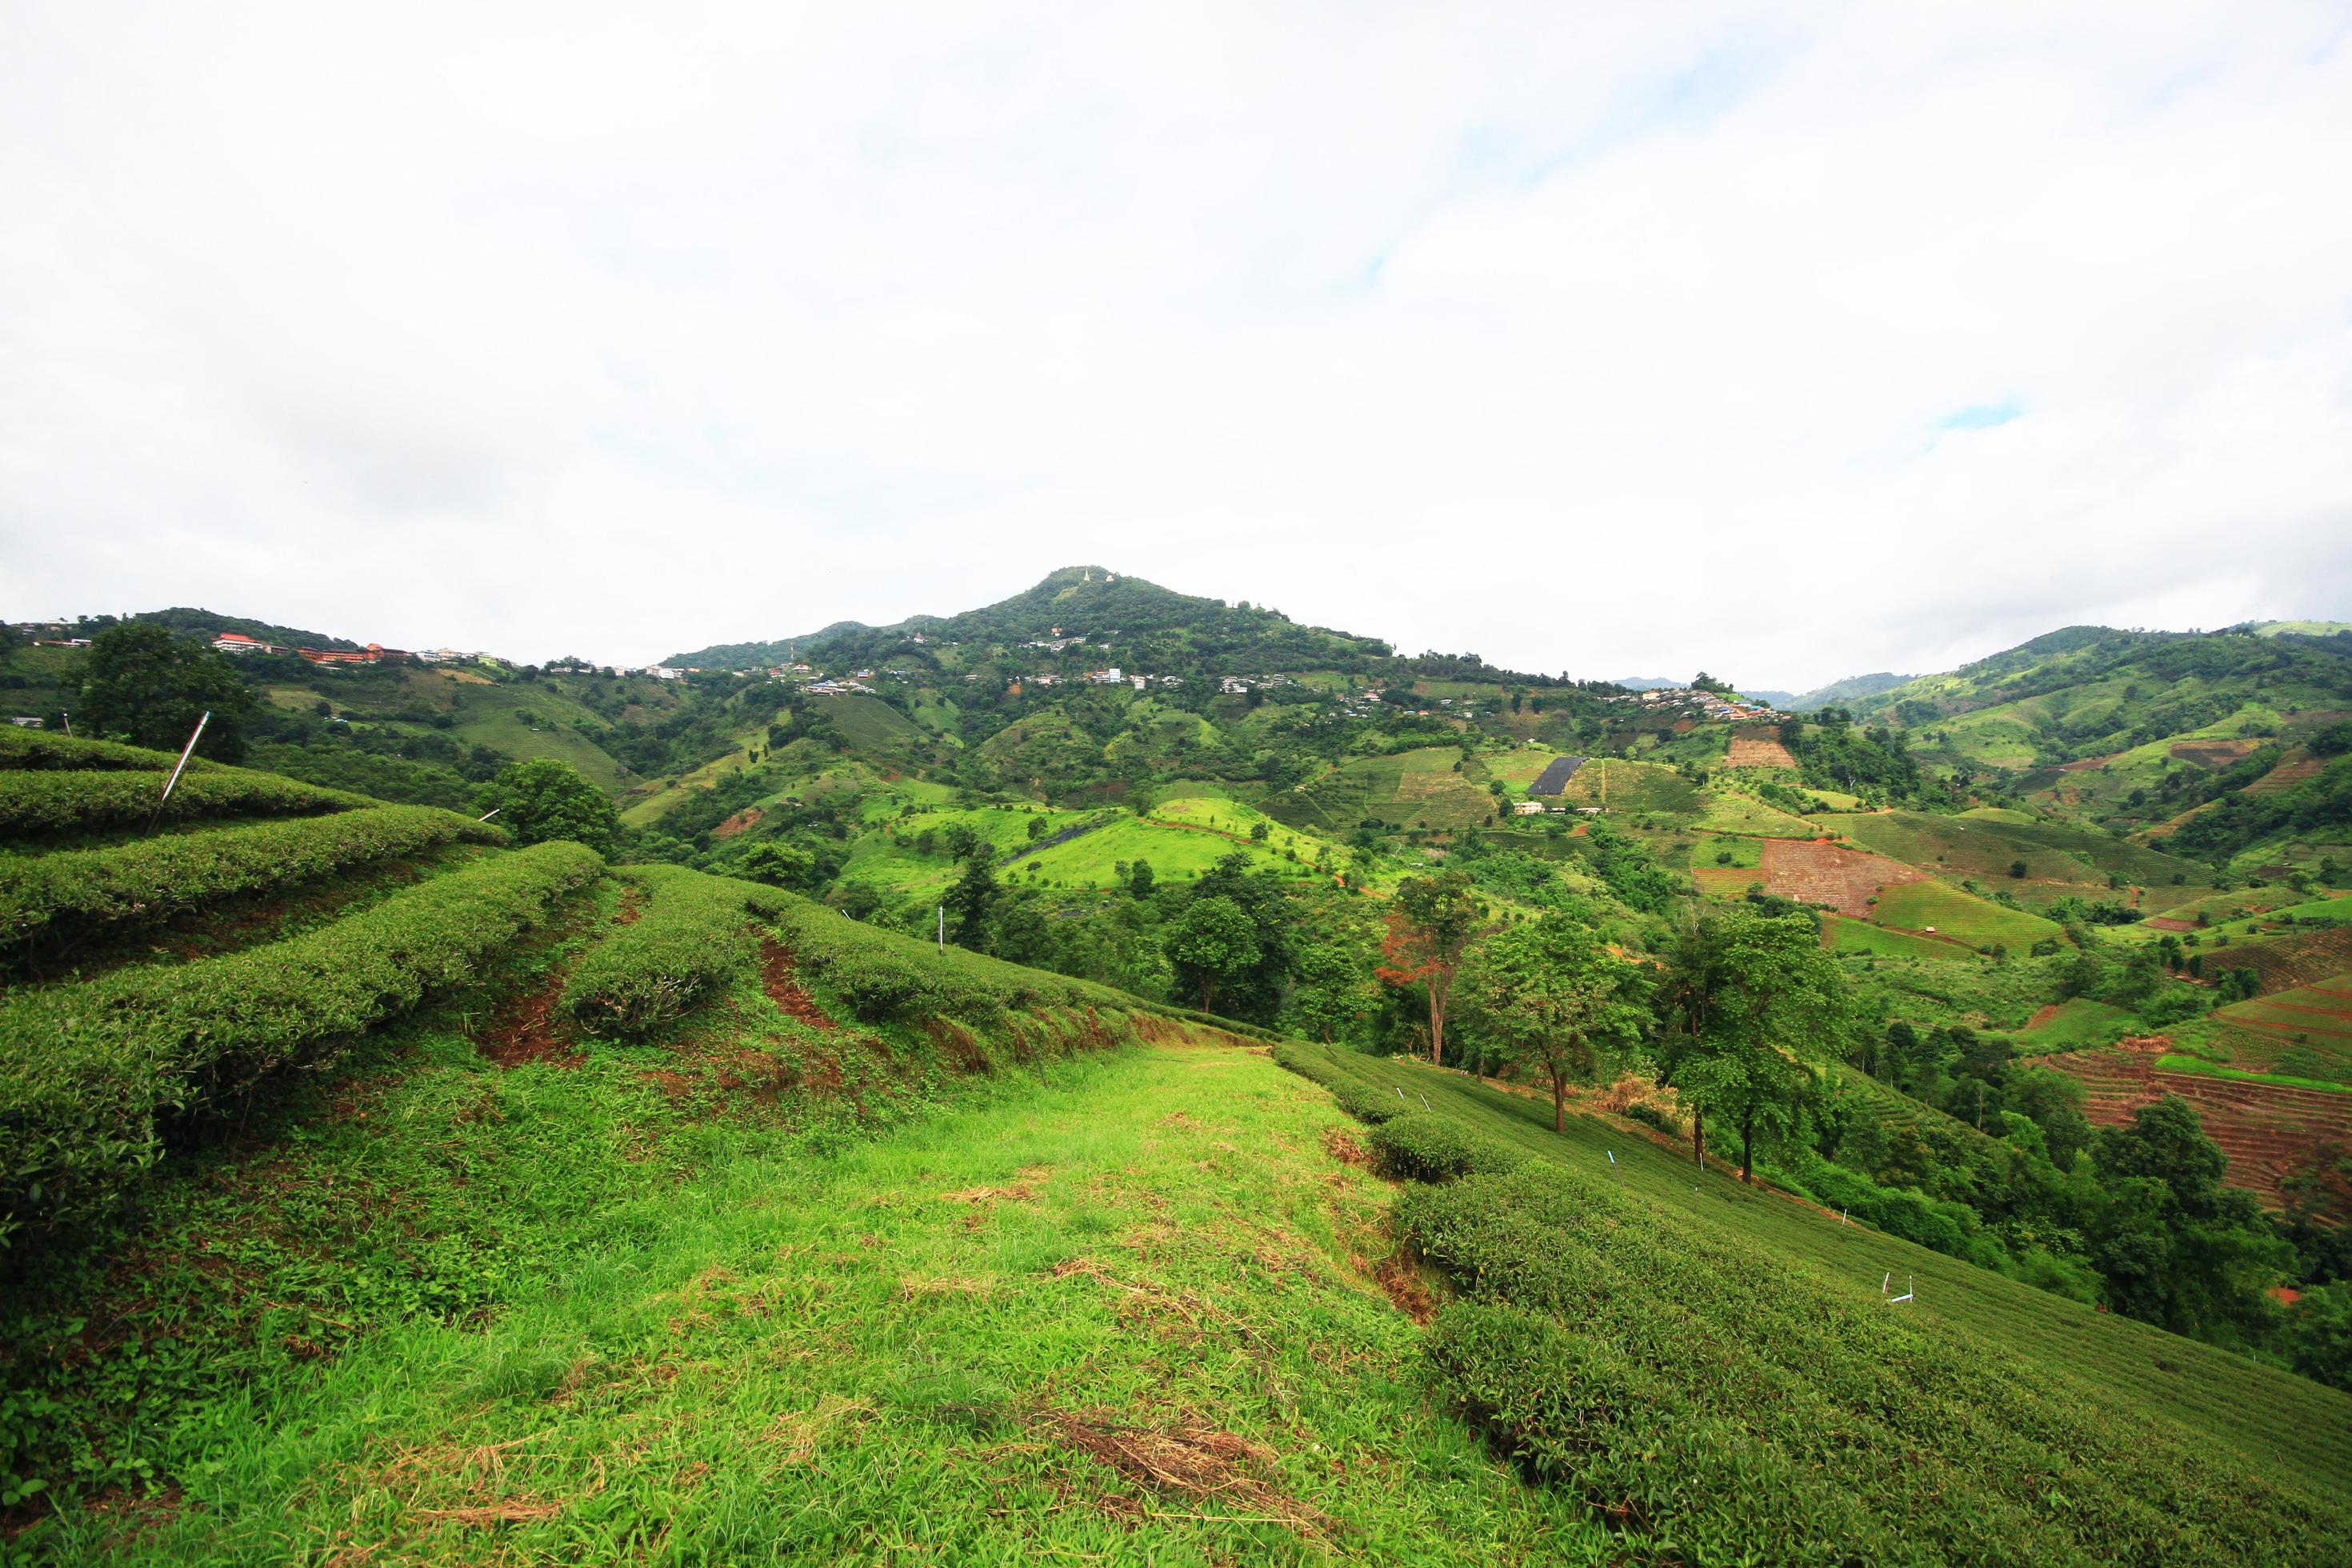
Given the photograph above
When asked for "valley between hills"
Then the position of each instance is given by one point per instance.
(1124, 1076)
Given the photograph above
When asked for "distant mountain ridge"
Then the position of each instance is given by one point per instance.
(1853, 689)
(1080, 601)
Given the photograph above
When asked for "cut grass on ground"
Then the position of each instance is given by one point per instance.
(1123, 1317)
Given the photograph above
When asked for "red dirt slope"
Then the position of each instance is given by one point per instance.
(2267, 1131)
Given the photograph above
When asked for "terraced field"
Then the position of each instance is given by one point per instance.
(2268, 1130)
(1661, 1259)
(2060, 860)
(1411, 789)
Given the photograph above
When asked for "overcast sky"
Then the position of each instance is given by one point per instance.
(1784, 340)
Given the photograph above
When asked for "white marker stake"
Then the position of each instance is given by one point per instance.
(1612, 1156)
(185, 752)
(489, 813)
(1909, 1291)
(943, 930)
(1883, 1279)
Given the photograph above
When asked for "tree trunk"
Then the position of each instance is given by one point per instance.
(1208, 993)
(1437, 1028)
(1747, 1147)
(1559, 1102)
(1698, 1136)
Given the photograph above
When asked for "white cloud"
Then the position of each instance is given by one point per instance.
(1614, 343)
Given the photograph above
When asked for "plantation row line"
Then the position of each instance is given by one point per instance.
(48, 801)
(1712, 1404)
(39, 749)
(689, 939)
(79, 890)
(90, 1072)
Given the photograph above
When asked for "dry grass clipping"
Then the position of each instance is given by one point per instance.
(1202, 1463)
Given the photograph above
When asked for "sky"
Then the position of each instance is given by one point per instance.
(1786, 342)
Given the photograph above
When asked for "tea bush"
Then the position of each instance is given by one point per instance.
(76, 889)
(38, 801)
(1427, 1147)
(90, 1073)
(689, 939)
(885, 977)
(1709, 1401)
(41, 749)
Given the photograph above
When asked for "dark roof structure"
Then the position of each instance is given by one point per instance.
(1554, 778)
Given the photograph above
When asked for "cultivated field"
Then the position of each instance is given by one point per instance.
(1847, 880)
(1746, 753)
(1783, 1295)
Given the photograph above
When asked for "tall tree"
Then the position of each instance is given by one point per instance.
(1749, 1009)
(1550, 994)
(1215, 940)
(972, 896)
(547, 798)
(1432, 922)
(141, 682)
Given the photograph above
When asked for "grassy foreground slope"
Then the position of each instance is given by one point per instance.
(1122, 1315)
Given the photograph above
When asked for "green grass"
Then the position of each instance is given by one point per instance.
(1729, 811)
(911, 1349)
(886, 856)
(2173, 1061)
(1842, 935)
(2079, 1021)
(1177, 854)
(2294, 1433)
(1979, 922)
(528, 720)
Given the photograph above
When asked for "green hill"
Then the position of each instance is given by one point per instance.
(1611, 1265)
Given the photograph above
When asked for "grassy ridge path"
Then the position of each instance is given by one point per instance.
(1127, 1318)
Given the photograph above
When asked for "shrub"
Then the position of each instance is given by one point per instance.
(80, 888)
(1651, 1114)
(1723, 1406)
(691, 938)
(1424, 1146)
(52, 801)
(1574, 1412)
(887, 978)
(41, 749)
(90, 1073)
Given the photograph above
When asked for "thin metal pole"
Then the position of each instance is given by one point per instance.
(185, 752)
(943, 930)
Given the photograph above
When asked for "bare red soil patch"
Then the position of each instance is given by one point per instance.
(2166, 923)
(1759, 754)
(776, 976)
(2041, 1015)
(746, 818)
(529, 1028)
(2086, 764)
(1812, 871)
